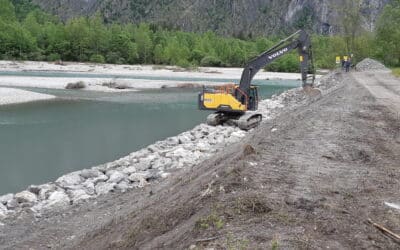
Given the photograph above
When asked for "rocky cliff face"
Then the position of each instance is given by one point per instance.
(227, 17)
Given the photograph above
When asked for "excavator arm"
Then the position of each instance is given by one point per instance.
(300, 41)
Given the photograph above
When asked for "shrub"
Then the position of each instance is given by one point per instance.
(211, 61)
(115, 58)
(97, 58)
(53, 57)
(76, 85)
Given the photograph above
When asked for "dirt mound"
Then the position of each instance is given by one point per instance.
(369, 64)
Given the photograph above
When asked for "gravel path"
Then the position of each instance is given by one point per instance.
(383, 86)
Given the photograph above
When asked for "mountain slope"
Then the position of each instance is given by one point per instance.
(227, 17)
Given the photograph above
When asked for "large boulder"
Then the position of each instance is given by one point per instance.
(69, 180)
(4, 199)
(46, 190)
(26, 197)
(129, 170)
(57, 199)
(117, 177)
(146, 163)
(78, 195)
(12, 204)
(104, 188)
(90, 173)
(138, 179)
(123, 186)
(101, 178)
(89, 187)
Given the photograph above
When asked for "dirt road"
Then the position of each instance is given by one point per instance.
(308, 179)
(383, 86)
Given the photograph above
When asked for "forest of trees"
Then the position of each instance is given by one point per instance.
(27, 33)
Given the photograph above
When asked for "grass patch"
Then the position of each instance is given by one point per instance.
(396, 72)
(211, 221)
(233, 243)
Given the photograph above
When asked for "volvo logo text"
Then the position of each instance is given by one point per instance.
(279, 53)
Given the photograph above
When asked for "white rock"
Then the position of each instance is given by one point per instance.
(101, 178)
(57, 199)
(6, 198)
(69, 180)
(3, 211)
(12, 204)
(145, 163)
(78, 195)
(172, 141)
(164, 175)
(138, 179)
(89, 187)
(239, 134)
(123, 186)
(26, 197)
(162, 163)
(45, 191)
(179, 152)
(203, 146)
(121, 162)
(117, 177)
(184, 138)
(104, 188)
(90, 173)
(153, 148)
(129, 170)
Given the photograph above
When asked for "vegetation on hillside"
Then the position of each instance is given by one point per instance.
(396, 72)
(27, 33)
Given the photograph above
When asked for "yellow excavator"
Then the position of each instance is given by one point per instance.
(238, 104)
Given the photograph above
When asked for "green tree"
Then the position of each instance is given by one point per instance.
(144, 43)
(7, 11)
(77, 34)
(350, 17)
(99, 36)
(388, 34)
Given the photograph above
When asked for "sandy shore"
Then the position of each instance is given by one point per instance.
(14, 96)
(139, 70)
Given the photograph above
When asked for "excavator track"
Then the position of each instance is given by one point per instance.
(246, 121)
(249, 120)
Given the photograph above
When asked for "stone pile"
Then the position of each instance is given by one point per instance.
(369, 65)
(139, 168)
